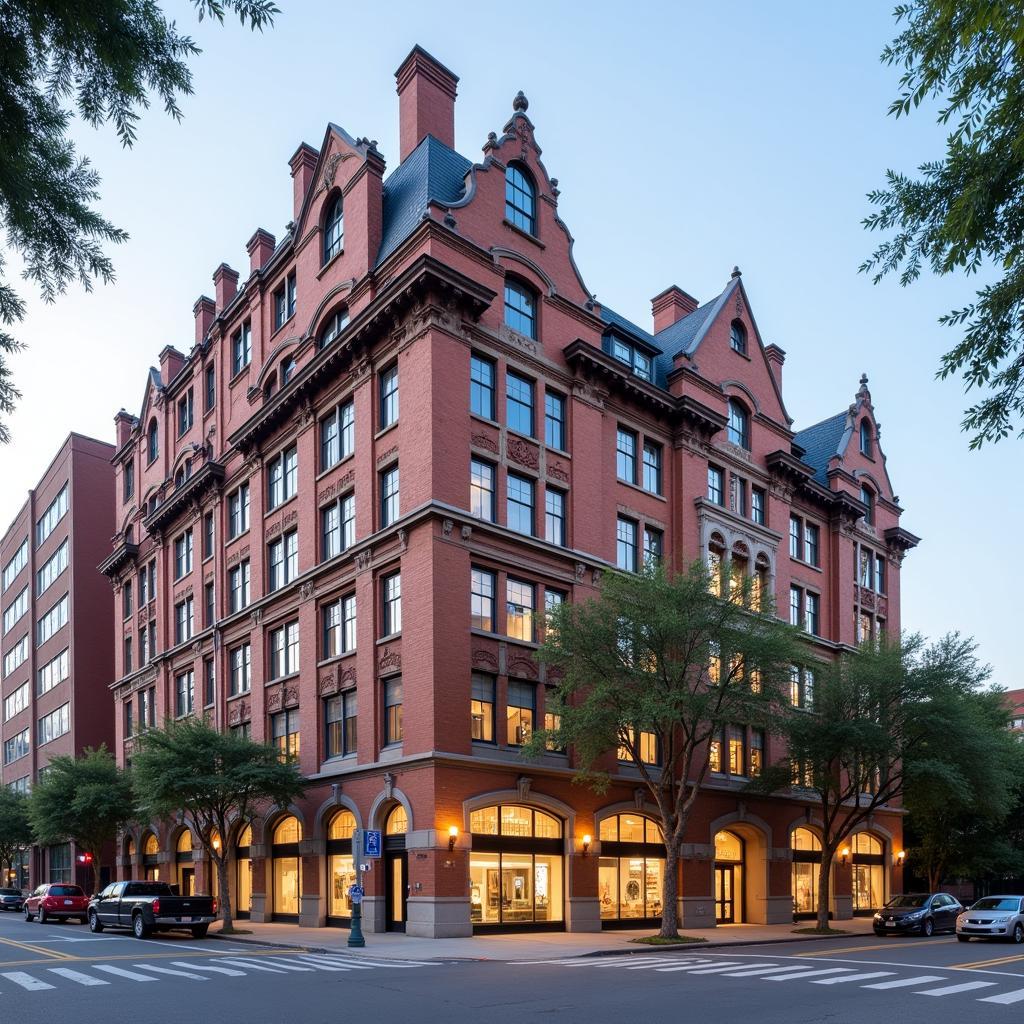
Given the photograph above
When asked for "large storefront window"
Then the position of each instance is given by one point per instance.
(868, 873)
(150, 855)
(728, 878)
(806, 847)
(243, 873)
(60, 863)
(516, 868)
(341, 872)
(287, 869)
(631, 872)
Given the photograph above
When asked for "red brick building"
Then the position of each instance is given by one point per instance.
(56, 615)
(1015, 705)
(409, 430)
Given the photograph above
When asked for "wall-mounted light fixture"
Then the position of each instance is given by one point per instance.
(844, 856)
(216, 842)
(453, 834)
(587, 840)
(900, 857)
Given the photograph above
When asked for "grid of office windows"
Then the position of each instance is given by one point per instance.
(52, 620)
(52, 568)
(17, 746)
(54, 513)
(338, 526)
(339, 626)
(283, 560)
(16, 656)
(53, 725)
(14, 612)
(337, 435)
(284, 650)
(15, 564)
(16, 702)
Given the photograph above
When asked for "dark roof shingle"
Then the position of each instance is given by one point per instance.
(822, 442)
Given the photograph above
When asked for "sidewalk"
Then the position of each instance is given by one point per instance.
(534, 946)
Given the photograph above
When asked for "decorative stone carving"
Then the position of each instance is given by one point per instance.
(483, 441)
(348, 677)
(363, 559)
(467, 532)
(522, 667)
(521, 452)
(384, 456)
(558, 472)
(389, 786)
(485, 659)
(197, 647)
(596, 576)
(403, 540)
(274, 700)
(327, 683)
(447, 526)
(389, 660)
(256, 615)
(291, 696)
(307, 590)
(523, 784)
(639, 796)
(581, 570)
(586, 392)
(238, 712)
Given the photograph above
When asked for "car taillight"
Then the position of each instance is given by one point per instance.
(215, 906)
(156, 906)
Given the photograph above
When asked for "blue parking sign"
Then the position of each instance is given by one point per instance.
(371, 842)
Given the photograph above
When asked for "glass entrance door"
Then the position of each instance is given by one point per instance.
(725, 893)
(188, 881)
(396, 866)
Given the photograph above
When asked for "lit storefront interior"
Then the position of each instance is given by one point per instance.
(150, 861)
(806, 847)
(243, 873)
(341, 872)
(287, 874)
(396, 870)
(516, 868)
(868, 873)
(728, 878)
(631, 871)
(186, 873)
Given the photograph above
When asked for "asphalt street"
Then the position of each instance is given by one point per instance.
(62, 970)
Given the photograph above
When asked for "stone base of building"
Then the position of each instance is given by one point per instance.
(697, 912)
(438, 917)
(842, 907)
(583, 914)
(310, 912)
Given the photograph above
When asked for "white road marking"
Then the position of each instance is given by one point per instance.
(320, 965)
(76, 976)
(720, 969)
(700, 965)
(338, 962)
(341, 958)
(204, 967)
(1005, 998)
(905, 982)
(949, 990)
(25, 980)
(755, 971)
(809, 974)
(853, 977)
(122, 973)
(254, 967)
(168, 970)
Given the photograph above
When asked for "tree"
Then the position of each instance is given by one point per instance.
(965, 212)
(83, 800)
(957, 815)
(881, 716)
(15, 828)
(658, 662)
(216, 779)
(99, 61)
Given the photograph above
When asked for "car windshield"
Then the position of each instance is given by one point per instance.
(907, 902)
(65, 890)
(1011, 903)
(10, 892)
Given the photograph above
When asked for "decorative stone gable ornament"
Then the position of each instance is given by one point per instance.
(389, 786)
(524, 782)
(639, 796)
(520, 103)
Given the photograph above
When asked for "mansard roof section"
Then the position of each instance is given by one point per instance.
(683, 337)
(823, 442)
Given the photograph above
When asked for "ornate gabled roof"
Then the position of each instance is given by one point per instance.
(822, 442)
(683, 337)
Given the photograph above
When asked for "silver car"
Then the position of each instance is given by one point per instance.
(993, 917)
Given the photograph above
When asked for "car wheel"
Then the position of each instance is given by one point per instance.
(199, 931)
(1018, 933)
(963, 938)
(43, 919)
(28, 914)
(928, 929)
(140, 929)
(94, 922)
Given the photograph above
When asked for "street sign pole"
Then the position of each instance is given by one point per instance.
(355, 935)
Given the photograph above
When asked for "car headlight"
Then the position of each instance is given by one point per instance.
(878, 917)
(915, 916)
(1000, 920)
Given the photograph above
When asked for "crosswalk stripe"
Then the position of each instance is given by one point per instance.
(719, 969)
(853, 977)
(755, 971)
(320, 965)
(122, 973)
(808, 974)
(204, 967)
(1005, 997)
(693, 967)
(949, 990)
(26, 980)
(348, 965)
(76, 976)
(278, 967)
(360, 962)
(289, 964)
(171, 971)
(906, 982)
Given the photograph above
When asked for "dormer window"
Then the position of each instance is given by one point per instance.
(865, 438)
(152, 442)
(739, 424)
(287, 370)
(520, 309)
(334, 327)
(520, 199)
(868, 500)
(738, 338)
(334, 229)
(639, 362)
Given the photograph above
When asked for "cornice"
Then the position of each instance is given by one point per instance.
(209, 475)
(125, 553)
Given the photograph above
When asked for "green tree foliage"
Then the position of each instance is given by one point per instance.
(83, 800)
(881, 716)
(15, 828)
(216, 779)
(661, 654)
(101, 61)
(965, 212)
(959, 808)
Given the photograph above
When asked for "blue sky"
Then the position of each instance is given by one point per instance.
(686, 138)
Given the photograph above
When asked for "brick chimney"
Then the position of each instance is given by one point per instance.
(225, 283)
(364, 212)
(204, 311)
(303, 164)
(671, 305)
(260, 248)
(776, 357)
(171, 361)
(123, 424)
(426, 101)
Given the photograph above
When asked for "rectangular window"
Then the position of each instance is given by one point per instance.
(813, 614)
(184, 693)
(757, 506)
(625, 544)
(737, 752)
(284, 650)
(519, 609)
(147, 708)
(389, 397)
(811, 538)
(144, 654)
(867, 566)
(481, 599)
(17, 562)
(238, 512)
(127, 480)
(56, 618)
(184, 621)
(16, 702)
(284, 302)
(17, 746)
(284, 734)
(209, 682)
(481, 490)
(801, 687)
(519, 403)
(126, 601)
(520, 712)
(339, 620)
(283, 477)
(209, 388)
(340, 718)
(55, 512)
(519, 505)
(208, 605)
(481, 708)
(794, 537)
(241, 669)
(128, 666)
(16, 656)
(652, 467)
(338, 526)
(647, 747)
(186, 413)
(183, 555)
(283, 560)
(238, 584)
(552, 600)
(716, 485)
(129, 719)
(795, 606)
(18, 607)
(389, 496)
(625, 455)
(654, 543)
(393, 711)
(739, 486)
(481, 386)
(391, 590)
(715, 752)
(554, 421)
(880, 574)
(208, 536)
(55, 724)
(241, 348)
(554, 517)
(337, 435)
(756, 752)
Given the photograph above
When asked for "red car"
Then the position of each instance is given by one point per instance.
(57, 902)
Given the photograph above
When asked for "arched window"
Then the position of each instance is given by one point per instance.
(287, 369)
(806, 847)
(631, 870)
(341, 872)
(243, 872)
(739, 424)
(397, 823)
(287, 830)
(184, 842)
(152, 847)
(868, 872)
(716, 564)
(520, 199)
(343, 824)
(865, 437)
(738, 337)
(334, 327)
(334, 229)
(869, 501)
(270, 388)
(152, 441)
(287, 876)
(520, 309)
(729, 865)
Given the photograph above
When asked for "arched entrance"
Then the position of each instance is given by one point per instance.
(868, 857)
(729, 857)
(631, 871)
(184, 871)
(287, 835)
(396, 869)
(341, 872)
(151, 858)
(806, 850)
(516, 868)
(243, 873)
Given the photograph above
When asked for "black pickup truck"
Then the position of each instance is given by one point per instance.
(147, 907)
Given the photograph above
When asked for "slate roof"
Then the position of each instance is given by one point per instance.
(823, 441)
(613, 319)
(432, 171)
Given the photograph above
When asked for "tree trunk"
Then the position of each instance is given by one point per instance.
(670, 893)
(223, 887)
(934, 878)
(95, 872)
(824, 878)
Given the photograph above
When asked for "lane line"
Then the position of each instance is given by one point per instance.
(76, 976)
(1001, 961)
(853, 977)
(215, 970)
(808, 974)
(120, 972)
(905, 982)
(1004, 998)
(26, 981)
(50, 954)
(168, 970)
(949, 990)
(884, 945)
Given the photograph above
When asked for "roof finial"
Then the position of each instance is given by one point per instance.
(863, 380)
(736, 272)
(520, 102)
